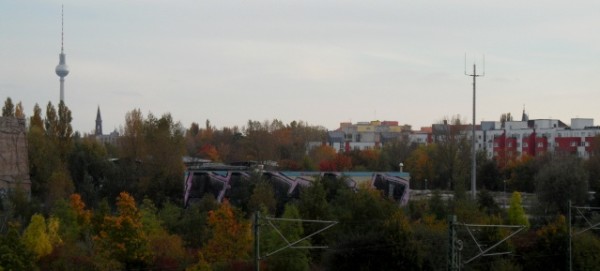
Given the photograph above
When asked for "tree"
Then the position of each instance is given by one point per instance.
(43, 154)
(64, 130)
(505, 117)
(192, 226)
(522, 172)
(420, 164)
(35, 237)
(546, 248)
(60, 186)
(19, 112)
(263, 197)
(89, 167)
(36, 119)
(231, 238)
(487, 204)
(122, 236)
(361, 231)
(489, 174)
(592, 166)
(585, 247)
(8, 110)
(166, 249)
(288, 259)
(516, 213)
(561, 180)
(14, 255)
(162, 166)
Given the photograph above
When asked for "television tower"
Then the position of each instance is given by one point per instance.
(62, 69)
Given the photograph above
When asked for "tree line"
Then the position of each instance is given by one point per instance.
(97, 206)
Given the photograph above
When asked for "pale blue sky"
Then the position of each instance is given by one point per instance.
(323, 62)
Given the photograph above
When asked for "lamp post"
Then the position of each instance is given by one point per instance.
(401, 165)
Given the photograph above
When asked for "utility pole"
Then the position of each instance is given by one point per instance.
(256, 241)
(473, 152)
(570, 267)
(453, 263)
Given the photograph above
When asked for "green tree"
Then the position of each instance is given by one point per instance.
(361, 231)
(263, 197)
(89, 167)
(486, 203)
(193, 224)
(561, 180)
(69, 230)
(60, 186)
(516, 213)
(64, 130)
(167, 251)
(546, 248)
(43, 155)
(8, 110)
(288, 259)
(14, 255)
(585, 247)
(592, 166)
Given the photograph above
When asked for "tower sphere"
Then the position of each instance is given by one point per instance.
(62, 70)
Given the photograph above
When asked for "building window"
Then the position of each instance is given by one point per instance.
(509, 144)
(540, 144)
(573, 144)
(357, 137)
(525, 145)
(495, 144)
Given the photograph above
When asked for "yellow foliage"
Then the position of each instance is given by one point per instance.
(35, 237)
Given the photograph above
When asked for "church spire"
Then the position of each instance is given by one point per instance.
(524, 117)
(98, 123)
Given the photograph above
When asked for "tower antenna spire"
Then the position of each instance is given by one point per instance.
(62, 28)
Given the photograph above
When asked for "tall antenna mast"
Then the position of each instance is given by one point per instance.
(473, 151)
(62, 27)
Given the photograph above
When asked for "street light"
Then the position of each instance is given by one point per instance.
(401, 165)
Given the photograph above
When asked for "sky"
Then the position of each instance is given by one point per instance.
(318, 61)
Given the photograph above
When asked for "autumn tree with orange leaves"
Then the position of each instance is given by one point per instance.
(231, 240)
(122, 236)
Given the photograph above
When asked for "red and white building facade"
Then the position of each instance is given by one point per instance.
(504, 142)
(534, 137)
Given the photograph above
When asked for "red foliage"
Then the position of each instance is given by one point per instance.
(340, 162)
